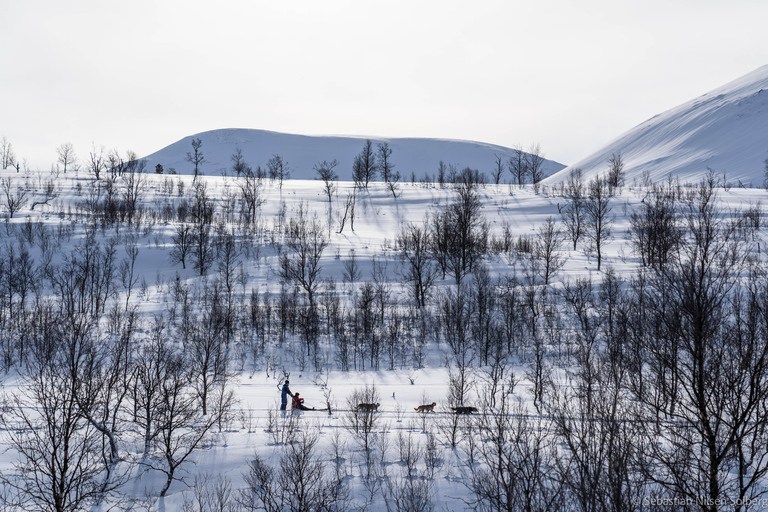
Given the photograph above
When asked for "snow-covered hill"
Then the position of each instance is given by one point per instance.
(302, 152)
(725, 130)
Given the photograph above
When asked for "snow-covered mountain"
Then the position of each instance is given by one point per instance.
(725, 130)
(302, 152)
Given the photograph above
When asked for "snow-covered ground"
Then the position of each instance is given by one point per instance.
(379, 217)
(724, 130)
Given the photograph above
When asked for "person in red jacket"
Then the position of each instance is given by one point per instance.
(298, 403)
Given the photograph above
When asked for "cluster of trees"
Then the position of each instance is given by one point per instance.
(650, 386)
(98, 161)
(65, 153)
(8, 155)
(451, 242)
(374, 162)
(371, 163)
(661, 393)
(524, 166)
(90, 382)
(587, 212)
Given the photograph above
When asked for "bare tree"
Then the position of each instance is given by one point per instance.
(534, 162)
(196, 156)
(134, 183)
(59, 465)
(250, 195)
(180, 429)
(441, 172)
(365, 166)
(106, 373)
(96, 161)
(278, 169)
(230, 270)
(239, 166)
(546, 248)
(325, 172)
(13, 201)
(457, 329)
(211, 494)
(384, 159)
(358, 173)
(115, 163)
(705, 364)
(149, 373)
(514, 473)
(18, 277)
(408, 495)
(469, 177)
(209, 355)
(615, 178)
(392, 184)
(128, 274)
(518, 165)
(460, 234)
(66, 154)
(301, 264)
(183, 240)
(573, 213)
(599, 465)
(7, 156)
(654, 229)
(498, 170)
(306, 243)
(202, 216)
(351, 272)
(598, 216)
(349, 211)
(413, 242)
(84, 281)
(262, 492)
(299, 482)
(49, 192)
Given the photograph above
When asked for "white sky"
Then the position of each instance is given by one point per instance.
(569, 74)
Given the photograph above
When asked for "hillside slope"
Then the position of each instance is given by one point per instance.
(725, 130)
(302, 152)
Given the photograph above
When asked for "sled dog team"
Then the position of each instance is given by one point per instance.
(422, 408)
(298, 403)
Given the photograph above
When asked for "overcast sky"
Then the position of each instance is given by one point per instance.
(570, 75)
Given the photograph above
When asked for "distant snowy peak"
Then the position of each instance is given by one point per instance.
(301, 152)
(725, 130)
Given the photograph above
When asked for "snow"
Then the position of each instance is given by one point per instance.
(377, 222)
(302, 152)
(379, 218)
(725, 130)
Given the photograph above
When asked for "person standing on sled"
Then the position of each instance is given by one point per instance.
(285, 392)
(298, 403)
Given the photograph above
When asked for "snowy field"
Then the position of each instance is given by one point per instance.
(410, 457)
